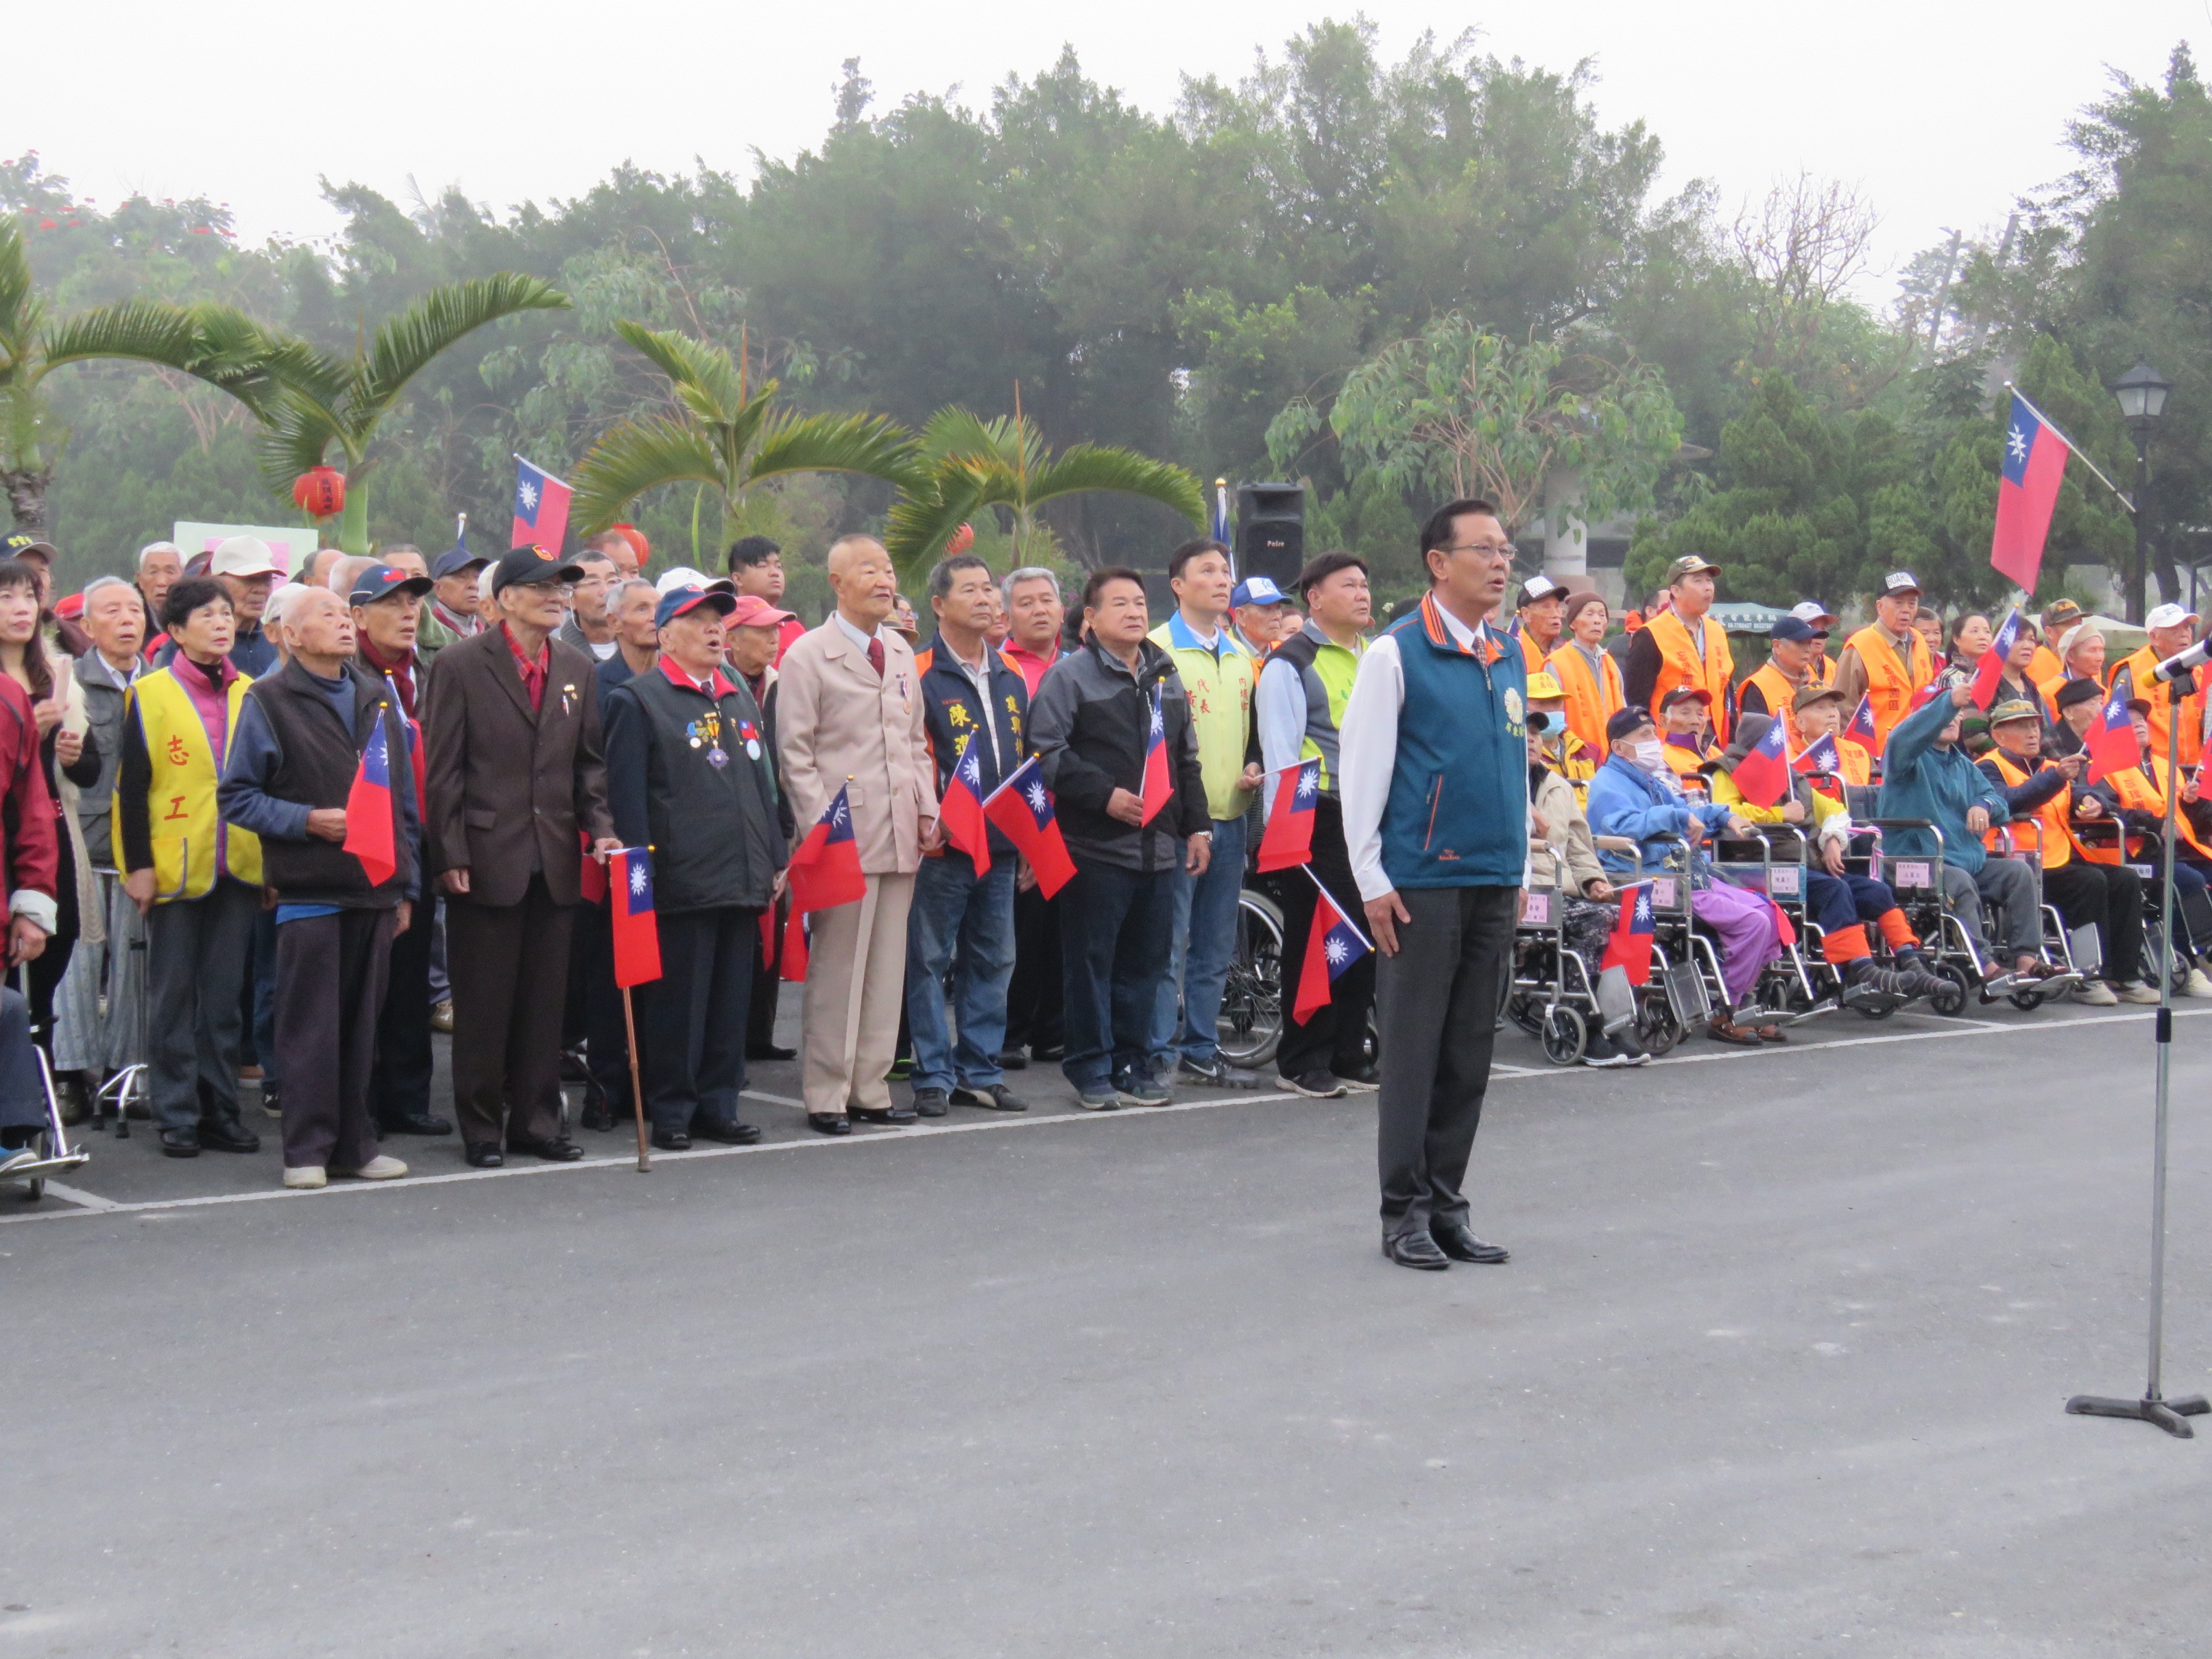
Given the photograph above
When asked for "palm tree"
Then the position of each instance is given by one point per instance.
(725, 436)
(971, 463)
(320, 398)
(215, 343)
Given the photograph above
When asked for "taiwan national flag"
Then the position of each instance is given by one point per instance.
(541, 509)
(1333, 945)
(1991, 669)
(1628, 947)
(368, 810)
(2111, 737)
(1288, 839)
(826, 871)
(1762, 777)
(961, 811)
(1159, 782)
(2034, 467)
(1822, 756)
(1021, 808)
(636, 929)
(1861, 730)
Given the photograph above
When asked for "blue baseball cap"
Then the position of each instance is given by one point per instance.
(1258, 590)
(689, 596)
(456, 559)
(378, 581)
(1794, 628)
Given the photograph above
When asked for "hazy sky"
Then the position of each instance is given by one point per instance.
(1941, 111)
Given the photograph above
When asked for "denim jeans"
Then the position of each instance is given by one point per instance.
(1115, 926)
(1205, 936)
(952, 906)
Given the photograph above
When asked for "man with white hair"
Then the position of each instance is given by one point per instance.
(160, 565)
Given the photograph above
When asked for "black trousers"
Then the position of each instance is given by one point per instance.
(691, 1020)
(195, 965)
(1437, 999)
(1035, 1008)
(594, 1007)
(399, 1083)
(1335, 1038)
(2108, 898)
(332, 973)
(509, 965)
(768, 983)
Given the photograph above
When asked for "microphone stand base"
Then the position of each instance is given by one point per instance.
(2171, 1415)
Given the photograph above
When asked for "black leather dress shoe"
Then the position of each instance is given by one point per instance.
(829, 1123)
(769, 1051)
(228, 1135)
(899, 1116)
(180, 1142)
(1415, 1251)
(554, 1151)
(1013, 1060)
(672, 1140)
(1456, 1241)
(732, 1133)
(415, 1123)
(483, 1155)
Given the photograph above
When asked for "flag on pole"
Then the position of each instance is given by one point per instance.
(1628, 947)
(1333, 945)
(826, 871)
(1221, 517)
(1762, 776)
(1823, 755)
(797, 933)
(637, 927)
(1159, 782)
(368, 834)
(541, 509)
(2111, 737)
(1861, 731)
(1022, 807)
(2033, 468)
(960, 811)
(1989, 670)
(1288, 838)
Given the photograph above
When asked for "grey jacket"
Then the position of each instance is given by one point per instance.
(103, 707)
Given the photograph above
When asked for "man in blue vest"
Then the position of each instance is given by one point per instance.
(1435, 781)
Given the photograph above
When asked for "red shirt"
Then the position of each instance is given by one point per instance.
(1027, 664)
(786, 631)
(533, 672)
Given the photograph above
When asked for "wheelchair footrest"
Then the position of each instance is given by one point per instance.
(47, 1166)
(1866, 996)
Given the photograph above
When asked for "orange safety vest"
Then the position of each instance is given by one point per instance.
(1774, 686)
(1685, 760)
(1858, 765)
(1890, 684)
(2159, 696)
(1681, 665)
(2153, 786)
(1532, 654)
(1592, 700)
(2054, 819)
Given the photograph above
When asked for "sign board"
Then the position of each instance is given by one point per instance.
(1782, 881)
(1539, 911)
(1662, 893)
(291, 543)
(1912, 873)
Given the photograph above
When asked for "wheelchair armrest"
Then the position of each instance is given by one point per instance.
(1616, 844)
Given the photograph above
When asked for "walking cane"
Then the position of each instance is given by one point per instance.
(636, 1088)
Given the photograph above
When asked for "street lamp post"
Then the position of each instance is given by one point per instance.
(2142, 394)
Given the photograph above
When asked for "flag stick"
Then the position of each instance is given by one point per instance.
(1339, 908)
(2126, 500)
(636, 1088)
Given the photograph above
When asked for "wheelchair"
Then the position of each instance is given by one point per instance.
(1801, 983)
(1551, 991)
(55, 1155)
(1251, 1024)
(1950, 949)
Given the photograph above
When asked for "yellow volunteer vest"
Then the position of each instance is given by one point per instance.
(1680, 665)
(180, 797)
(1592, 699)
(1890, 684)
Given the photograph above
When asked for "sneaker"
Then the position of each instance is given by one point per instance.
(271, 1106)
(305, 1177)
(2097, 994)
(1360, 1080)
(1099, 1100)
(901, 1070)
(2135, 991)
(1318, 1086)
(442, 1016)
(12, 1159)
(1145, 1091)
(379, 1168)
(1601, 1054)
(1217, 1072)
(2196, 985)
(1013, 1060)
(1624, 1044)
(930, 1103)
(991, 1097)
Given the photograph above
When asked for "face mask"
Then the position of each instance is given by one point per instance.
(1648, 753)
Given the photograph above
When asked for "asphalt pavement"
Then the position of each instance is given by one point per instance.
(1778, 1368)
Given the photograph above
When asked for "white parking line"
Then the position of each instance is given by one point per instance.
(91, 1204)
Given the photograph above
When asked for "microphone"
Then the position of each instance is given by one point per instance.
(2184, 663)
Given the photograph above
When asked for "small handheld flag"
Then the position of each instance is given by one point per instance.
(1333, 945)
(368, 834)
(1022, 807)
(1861, 731)
(2028, 476)
(1288, 839)
(1762, 777)
(1989, 670)
(961, 811)
(826, 871)
(1628, 947)
(541, 509)
(2111, 737)
(1160, 784)
(1822, 756)
(636, 928)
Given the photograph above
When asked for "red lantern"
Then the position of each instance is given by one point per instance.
(320, 494)
(960, 540)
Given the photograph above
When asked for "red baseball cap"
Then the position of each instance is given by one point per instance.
(754, 611)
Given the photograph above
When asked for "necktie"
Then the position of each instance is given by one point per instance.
(876, 656)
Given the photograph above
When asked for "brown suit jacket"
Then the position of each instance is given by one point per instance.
(836, 719)
(504, 783)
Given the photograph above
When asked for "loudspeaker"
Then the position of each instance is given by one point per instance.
(1271, 532)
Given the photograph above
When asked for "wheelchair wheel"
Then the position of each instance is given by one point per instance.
(1251, 1024)
(1951, 1000)
(1564, 1036)
(1657, 1031)
(1873, 1010)
(1526, 1012)
(2026, 1001)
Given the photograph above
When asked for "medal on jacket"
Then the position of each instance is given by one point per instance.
(566, 692)
(717, 758)
(750, 733)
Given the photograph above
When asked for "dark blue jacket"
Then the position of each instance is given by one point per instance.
(950, 712)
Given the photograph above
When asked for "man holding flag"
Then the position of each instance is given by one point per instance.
(974, 706)
(319, 769)
(688, 784)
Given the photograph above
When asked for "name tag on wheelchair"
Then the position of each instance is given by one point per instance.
(1663, 893)
(1784, 881)
(2148, 871)
(1912, 872)
(1539, 913)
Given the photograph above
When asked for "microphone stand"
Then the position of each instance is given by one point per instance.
(2171, 1415)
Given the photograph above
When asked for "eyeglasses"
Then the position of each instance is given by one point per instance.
(1492, 551)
